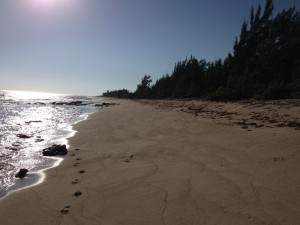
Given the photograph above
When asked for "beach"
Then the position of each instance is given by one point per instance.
(172, 162)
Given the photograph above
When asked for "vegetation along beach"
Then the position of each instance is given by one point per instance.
(213, 142)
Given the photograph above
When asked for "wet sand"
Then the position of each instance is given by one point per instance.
(164, 162)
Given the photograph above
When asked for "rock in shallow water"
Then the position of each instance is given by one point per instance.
(22, 173)
(23, 136)
(55, 150)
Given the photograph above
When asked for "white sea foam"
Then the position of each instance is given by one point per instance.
(35, 115)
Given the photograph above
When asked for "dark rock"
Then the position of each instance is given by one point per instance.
(58, 103)
(81, 171)
(33, 121)
(75, 103)
(105, 104)
(23, 136)
(16, 145)
(55, 150)
(22, 173)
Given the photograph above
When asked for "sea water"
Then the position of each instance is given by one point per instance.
(43, 122)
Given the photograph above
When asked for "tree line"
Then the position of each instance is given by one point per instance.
(264, 64)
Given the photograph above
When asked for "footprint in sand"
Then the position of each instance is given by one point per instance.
(65, 210)
(76, 164)
(75, 181)
(130, 158)
(77, 193)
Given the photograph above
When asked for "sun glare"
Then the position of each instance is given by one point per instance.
(47, 4)
(31, 95)
(43, 3)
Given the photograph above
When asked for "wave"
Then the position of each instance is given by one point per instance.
(31, 124)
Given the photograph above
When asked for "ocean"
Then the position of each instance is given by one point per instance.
(30, 122)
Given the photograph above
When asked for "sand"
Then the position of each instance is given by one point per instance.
(153, 163)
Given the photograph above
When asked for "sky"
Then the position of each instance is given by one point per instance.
(86, 47)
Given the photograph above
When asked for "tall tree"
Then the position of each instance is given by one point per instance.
(143, 89)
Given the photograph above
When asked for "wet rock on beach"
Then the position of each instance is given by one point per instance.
(55, 150)
(22, 173)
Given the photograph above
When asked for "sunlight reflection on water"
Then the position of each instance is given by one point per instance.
(27, 95)
(29, 122)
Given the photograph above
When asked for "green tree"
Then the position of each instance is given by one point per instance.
(144, 89)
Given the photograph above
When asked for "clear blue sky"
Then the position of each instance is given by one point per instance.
(89, 46)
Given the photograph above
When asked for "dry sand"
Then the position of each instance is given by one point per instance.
(160, 165)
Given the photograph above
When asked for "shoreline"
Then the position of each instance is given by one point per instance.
(146, 165)
(38, 176)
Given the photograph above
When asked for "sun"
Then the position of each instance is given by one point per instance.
(43, 3)
(47, 4)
